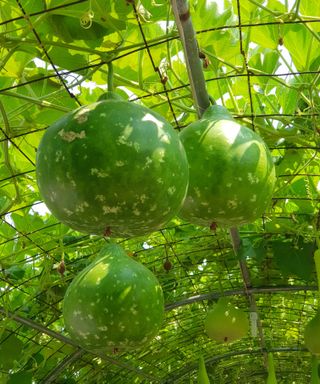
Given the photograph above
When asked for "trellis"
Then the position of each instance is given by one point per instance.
(204, 265)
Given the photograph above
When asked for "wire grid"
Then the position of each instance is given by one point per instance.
(202, 261)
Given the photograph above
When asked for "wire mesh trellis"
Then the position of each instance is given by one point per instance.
(261, 60)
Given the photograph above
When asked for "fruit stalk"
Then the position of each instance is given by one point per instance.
(110, 77)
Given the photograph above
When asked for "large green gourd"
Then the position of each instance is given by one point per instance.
(113, 304)
(232, 175)
(114, 168)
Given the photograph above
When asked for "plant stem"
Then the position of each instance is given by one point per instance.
(7, 162)
(194, 66)
(110, 76)
(41, 103)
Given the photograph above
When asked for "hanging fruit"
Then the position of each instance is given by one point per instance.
(271, 379)
(202, 372)
(232, 175)
(114, 168)
(315, 379)
(312, 328)
(226, 323)
(114, 304)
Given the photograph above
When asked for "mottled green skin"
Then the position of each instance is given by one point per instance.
(312, 334)
(115, 303)
(113, 168)
(225, 323)
(232, 175)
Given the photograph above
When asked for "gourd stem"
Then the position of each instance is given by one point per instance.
(191, 52)
(110, 76)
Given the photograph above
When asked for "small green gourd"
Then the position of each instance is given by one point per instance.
(315, 373)
(312, 328)
(271, 371)
(202, 372)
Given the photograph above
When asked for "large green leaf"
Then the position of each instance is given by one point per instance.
(297, 36)
(294, 259)
(22, 377)
(10, 349)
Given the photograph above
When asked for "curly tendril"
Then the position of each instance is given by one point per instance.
(86, 19)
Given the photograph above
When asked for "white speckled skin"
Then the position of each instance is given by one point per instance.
(113, 167)
(232, 175)
(114, 303)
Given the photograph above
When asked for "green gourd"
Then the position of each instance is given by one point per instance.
(112, 168)
(315, 370)
(232, 175)
(202, 372)
(271, 371)
(312, 334)
(312, 328)
(110, 95)
(225, 323)
(113, 304)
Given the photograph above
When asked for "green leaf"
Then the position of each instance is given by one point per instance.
(206, 13)
(297, 36)
(246, 250)
(22, 377)
(10, 349)
(266, 36)
(68, 28)
(294, 259)
(310, 7)
(252, 249)
(15, 272)
(64, 59)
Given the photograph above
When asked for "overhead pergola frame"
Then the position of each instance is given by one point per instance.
(258, 59)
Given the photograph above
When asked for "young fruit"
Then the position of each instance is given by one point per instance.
(312, 334)
(114, 304)
(114, 168)
(232, 175)
(202, 372)
(225, 323)
(315, 379)
(271, 379)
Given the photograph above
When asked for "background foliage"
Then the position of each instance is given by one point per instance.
(261, 60)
